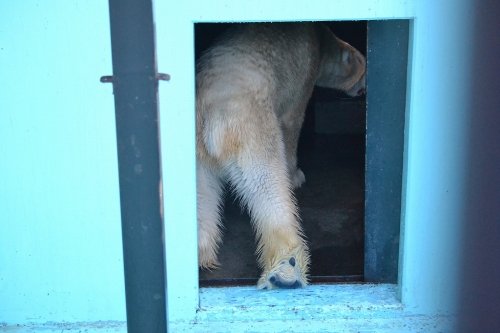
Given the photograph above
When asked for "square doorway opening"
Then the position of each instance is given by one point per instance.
(338, 204)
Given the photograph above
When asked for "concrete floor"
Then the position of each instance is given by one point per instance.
(331, 205)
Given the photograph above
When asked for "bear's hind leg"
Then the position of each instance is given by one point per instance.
(260, 178)
(209, 206)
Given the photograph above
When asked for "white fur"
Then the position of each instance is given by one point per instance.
(252, 90)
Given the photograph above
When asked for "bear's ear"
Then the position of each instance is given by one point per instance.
(346, 56)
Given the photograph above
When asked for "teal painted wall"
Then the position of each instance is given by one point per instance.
(437, 134)
(60, 236)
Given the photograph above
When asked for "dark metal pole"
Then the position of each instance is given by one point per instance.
(135, 90)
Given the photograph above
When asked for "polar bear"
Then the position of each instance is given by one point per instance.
(252, 89)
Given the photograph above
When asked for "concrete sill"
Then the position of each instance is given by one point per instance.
(317, 308)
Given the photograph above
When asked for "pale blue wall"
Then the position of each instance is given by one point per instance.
(60, 240)
(436, 141)
(60, 236)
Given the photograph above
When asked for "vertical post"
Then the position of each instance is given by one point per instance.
(385, 121)
(441, 44)
(135, 90)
